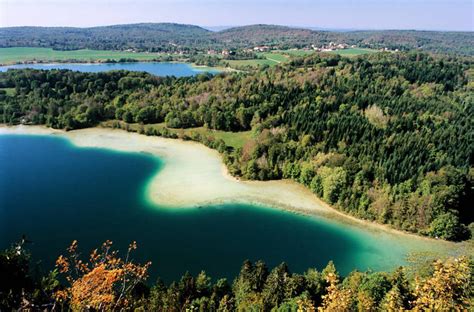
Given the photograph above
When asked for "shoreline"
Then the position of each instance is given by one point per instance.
(217, 68)
(194, 176)
(201, 68)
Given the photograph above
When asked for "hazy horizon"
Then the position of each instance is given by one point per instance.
(216, 28)
(439, 15)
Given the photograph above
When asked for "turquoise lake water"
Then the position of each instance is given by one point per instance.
(154, 68)
(54, 192)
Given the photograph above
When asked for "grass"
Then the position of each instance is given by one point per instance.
(296, 53)
(15, 55)
(251, 63)
(270, 59)
(215, 68)
(353, 51)
(233, 139)
(281, 56)
(345, 52)
(9, 91)
(275, 57)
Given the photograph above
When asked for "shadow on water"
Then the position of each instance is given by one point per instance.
(55, 192)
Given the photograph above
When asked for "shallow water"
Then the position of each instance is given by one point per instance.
(55, 192)
(154, 68)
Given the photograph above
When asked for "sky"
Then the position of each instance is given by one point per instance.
(329, 14)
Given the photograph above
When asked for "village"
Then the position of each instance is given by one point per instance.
(331, 47)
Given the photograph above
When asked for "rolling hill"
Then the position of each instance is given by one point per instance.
(156, 37)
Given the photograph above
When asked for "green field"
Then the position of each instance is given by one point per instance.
(8, 91)
(271, 59)
(233, 139)
(18, 55)
(251, 63)
(353, 51)
(15, 55)
(281, 56)
(297, 53)
(275, 57)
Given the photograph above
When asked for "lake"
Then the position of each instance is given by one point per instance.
(154, 68)
(54, 192)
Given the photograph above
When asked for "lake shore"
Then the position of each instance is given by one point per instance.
(194, 176)
(217, 68)
(202, 68)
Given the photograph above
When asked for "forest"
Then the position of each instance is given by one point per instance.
(169, 37)
(386, 137)
(111, 281)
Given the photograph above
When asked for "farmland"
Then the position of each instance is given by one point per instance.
(353, 51)
(18, 55)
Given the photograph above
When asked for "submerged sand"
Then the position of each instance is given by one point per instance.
(194, 175)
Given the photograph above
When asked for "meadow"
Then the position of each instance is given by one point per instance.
(282, 56)
(8, 91)
(296, 52)
(354, 51)
(269, 59)
(22, 54)
(10, 56)
(233, 139)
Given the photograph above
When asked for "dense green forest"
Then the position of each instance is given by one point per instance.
(109, 281)
(385, 137)
(144, 37)
(188, 38)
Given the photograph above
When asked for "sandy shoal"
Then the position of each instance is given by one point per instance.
(193, 175)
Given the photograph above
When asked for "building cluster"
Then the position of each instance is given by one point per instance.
(388, 50)
(332, 47)
(227, 52)
(261, 49)
(224, 52)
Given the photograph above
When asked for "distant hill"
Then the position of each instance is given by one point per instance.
(282, 36)
(286, 37)
(218, 28)
(433, 41)
(173, 37)
(144, 36)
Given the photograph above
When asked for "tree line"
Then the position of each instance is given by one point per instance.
(171, 37)
(110, 281)
(386, 137)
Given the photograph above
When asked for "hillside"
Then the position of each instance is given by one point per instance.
(272, 35)
(433, 41)
(289, 37)
(145, 36)
(170, 37)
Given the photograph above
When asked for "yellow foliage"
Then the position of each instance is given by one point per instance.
(448, 289)
(305, 305)
(393, 301)
(336, 299)
(376, 116)
(101, 284)
(95, 289)
(365, 302)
